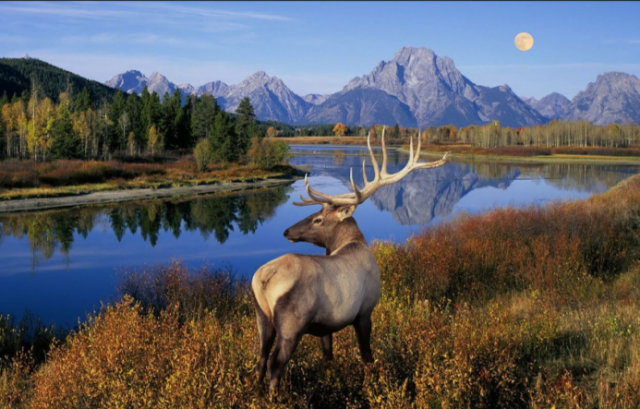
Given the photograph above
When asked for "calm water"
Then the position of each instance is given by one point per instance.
(61, 264)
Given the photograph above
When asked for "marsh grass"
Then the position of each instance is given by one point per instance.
(515, 308)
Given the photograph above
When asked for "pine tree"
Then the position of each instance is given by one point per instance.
(205, 110)
(66, 143)
(222, 136)
(83, 101)
(245, 128)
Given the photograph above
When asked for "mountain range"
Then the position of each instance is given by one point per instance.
(415, 88)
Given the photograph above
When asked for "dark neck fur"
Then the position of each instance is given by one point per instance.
(345, 232)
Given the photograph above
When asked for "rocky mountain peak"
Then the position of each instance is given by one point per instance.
(614, 97)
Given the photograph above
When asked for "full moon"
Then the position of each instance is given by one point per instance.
(523, 41)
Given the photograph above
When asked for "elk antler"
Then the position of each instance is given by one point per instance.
(381, 177)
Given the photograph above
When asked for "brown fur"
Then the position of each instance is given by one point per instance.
(299, 294)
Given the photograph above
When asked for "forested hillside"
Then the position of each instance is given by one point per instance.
(20, 74)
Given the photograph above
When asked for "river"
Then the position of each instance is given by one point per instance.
(61, 264)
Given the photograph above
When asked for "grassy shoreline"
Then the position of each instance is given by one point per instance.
(20, 180)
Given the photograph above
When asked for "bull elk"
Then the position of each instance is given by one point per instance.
(298, 294)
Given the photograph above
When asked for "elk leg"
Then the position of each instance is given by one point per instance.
(327, 347)
(267, 335)
(362, 326)
(285, 345)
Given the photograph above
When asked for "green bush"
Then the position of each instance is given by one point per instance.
(204, 154)
(266, 153)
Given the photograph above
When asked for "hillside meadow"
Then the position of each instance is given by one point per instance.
(537, 307)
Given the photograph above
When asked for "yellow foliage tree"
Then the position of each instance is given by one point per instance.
(272, 132)
(340, 129)
(154, 140)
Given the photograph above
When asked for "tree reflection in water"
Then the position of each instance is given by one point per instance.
(53, 230)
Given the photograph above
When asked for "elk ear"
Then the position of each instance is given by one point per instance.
(346, 211)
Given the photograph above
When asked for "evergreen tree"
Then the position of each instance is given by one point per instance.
(171, 110)
(83, 101)
(134, 111)
(116, 110)
(205, 110)
(66, 143)
(245, 128)
(222, 136)
(145, 112)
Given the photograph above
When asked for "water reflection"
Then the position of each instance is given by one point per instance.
(427, 193)
(54, 230)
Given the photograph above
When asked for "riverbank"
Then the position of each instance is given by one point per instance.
(485, 156)
(92, 198)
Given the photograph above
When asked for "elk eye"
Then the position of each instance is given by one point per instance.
(318, 220)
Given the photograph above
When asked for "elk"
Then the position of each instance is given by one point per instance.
(299, 294)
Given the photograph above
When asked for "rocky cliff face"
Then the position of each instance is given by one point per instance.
(132, 81)
(270, 97)
(361, 106)
(216, 88)
(614, 97)
(552, 106)
(315, 99)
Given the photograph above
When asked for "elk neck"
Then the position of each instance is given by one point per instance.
(345, 232)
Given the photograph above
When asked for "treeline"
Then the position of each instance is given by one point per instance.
(78, 127)
(556, 133)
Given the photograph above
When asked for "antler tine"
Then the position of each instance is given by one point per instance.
(356, 192)
(374, 162)
(415, 160)
(410, 162)
(306, 202)
(383, 172)
(364, 173)
(317, 197)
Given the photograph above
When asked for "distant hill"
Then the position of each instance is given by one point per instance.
(16, 75)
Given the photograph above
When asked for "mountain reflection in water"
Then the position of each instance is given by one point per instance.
(427, 193)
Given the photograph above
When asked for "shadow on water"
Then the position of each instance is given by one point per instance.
(216, 216)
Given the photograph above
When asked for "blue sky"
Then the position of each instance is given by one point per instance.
(317, 47)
